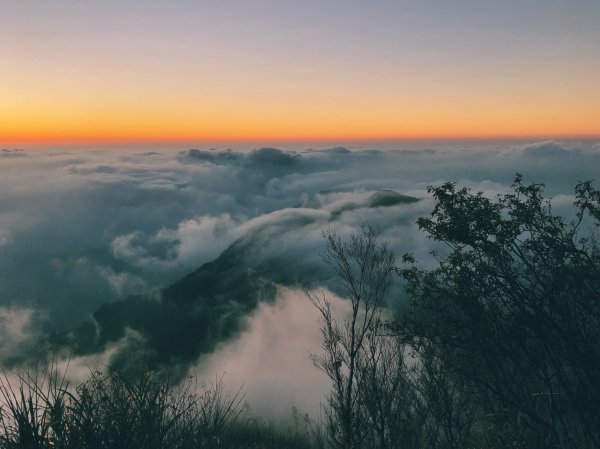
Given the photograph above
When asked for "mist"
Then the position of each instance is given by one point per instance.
(93, 237)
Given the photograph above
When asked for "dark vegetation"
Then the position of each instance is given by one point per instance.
(183, 320)
(119, 412)
(500, 348)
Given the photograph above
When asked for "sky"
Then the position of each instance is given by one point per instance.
(89, 73)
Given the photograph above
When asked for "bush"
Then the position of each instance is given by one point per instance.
(511, 317)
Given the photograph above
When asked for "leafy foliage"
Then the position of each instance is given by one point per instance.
(501, 347)
(512, 312)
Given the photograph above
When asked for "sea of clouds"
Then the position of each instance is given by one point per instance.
(82, 228)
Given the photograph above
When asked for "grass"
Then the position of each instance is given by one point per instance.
(40, 409)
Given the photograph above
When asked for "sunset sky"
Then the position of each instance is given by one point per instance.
(233, 70)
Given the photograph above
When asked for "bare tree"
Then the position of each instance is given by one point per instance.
(393, 408)
(365, 267)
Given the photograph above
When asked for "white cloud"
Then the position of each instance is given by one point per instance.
(121, 282)
(194, 241)
(16, 330)
(271, 359)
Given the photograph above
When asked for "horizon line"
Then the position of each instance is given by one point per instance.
(110, 141)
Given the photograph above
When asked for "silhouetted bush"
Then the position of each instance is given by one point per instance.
(511, 316)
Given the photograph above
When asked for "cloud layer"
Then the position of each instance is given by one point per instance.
(79, 230)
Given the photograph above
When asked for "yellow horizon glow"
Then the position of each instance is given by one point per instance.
(321, 117)
(267, 140)
(117, 110)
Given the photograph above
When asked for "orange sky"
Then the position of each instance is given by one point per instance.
(86, 74)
